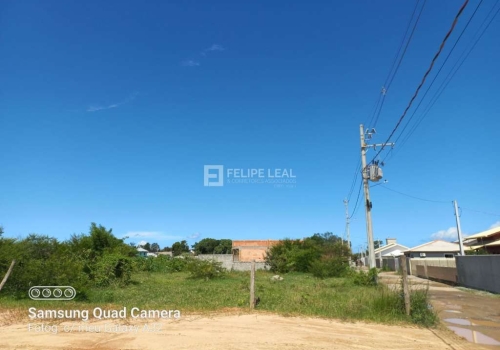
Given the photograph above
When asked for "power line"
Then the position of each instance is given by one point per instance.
(433, 80)
(450, 75)
(421, 199)
(353, 184)
(357, 200)
(388, 84)
(424, 77)
(482, 212)
(391, 75)
(438, 201)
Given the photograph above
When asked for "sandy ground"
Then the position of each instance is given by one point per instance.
(232, 331)
(235, 329)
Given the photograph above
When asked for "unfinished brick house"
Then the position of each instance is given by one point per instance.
(246, 251)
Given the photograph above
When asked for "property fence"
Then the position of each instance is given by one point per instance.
(391, 263)
(444, 274)
(229, 264)
(479, 272)
(439, 262)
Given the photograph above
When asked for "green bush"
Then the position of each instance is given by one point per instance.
(362, 278)
(421, 311)
(205, 269)
(111, 269)
(40, 260)
(330, 267)
(161, 263)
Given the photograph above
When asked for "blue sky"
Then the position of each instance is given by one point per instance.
(110, 110)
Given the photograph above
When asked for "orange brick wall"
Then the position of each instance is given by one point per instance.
(253, 250)
(256, 254)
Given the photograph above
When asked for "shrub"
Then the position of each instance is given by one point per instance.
(111, 269)
(366, 279)
(41, 260)
(205, 269)
(330, 267)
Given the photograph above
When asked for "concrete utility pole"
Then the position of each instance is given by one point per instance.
(348, 233)
(459, 230)
(368, 203)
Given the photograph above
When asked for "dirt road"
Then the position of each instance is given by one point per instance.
(232, 331)
(473, 315)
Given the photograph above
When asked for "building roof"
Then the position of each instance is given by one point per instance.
(485, 234)
(141, 250)
(497, 242)
(396, 252)
(388, 246)
(437, 246)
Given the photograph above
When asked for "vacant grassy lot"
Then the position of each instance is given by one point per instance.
(297, 294)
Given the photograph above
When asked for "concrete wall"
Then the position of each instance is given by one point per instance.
(227, 262)
(445, 274)
(479, 272)
(442, 262)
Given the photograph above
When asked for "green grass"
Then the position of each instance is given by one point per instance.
(298, 294)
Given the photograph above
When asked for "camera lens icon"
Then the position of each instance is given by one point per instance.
(52, 293)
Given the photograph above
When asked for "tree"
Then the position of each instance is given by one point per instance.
(205, 246)
(225, 246)
(322, 254)
(155, 247)
(166, 249)
(102, 238)
(147, 246)
(213, 246)
(377, 244)
(180, 247)
(1, 230)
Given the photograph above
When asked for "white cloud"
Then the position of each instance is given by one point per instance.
(114, 105)
(496, 224)
(100, 108)
(214, 47)
(152, 235)
(194, 236)
(190, 63)
(450, 234)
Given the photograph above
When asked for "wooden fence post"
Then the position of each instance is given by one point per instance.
(7, 274)
(406, 290)
(252, 285)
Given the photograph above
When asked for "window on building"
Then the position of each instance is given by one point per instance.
(449, 256)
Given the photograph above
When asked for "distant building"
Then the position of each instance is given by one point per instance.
(246, 251)
(488, 240)
(390, 250)
(434, 249)
(142, 252)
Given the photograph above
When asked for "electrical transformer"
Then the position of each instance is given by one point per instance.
(375, 173)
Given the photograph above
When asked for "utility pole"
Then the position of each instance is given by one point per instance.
(348, 233)
(459, 230)
(368, 204)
